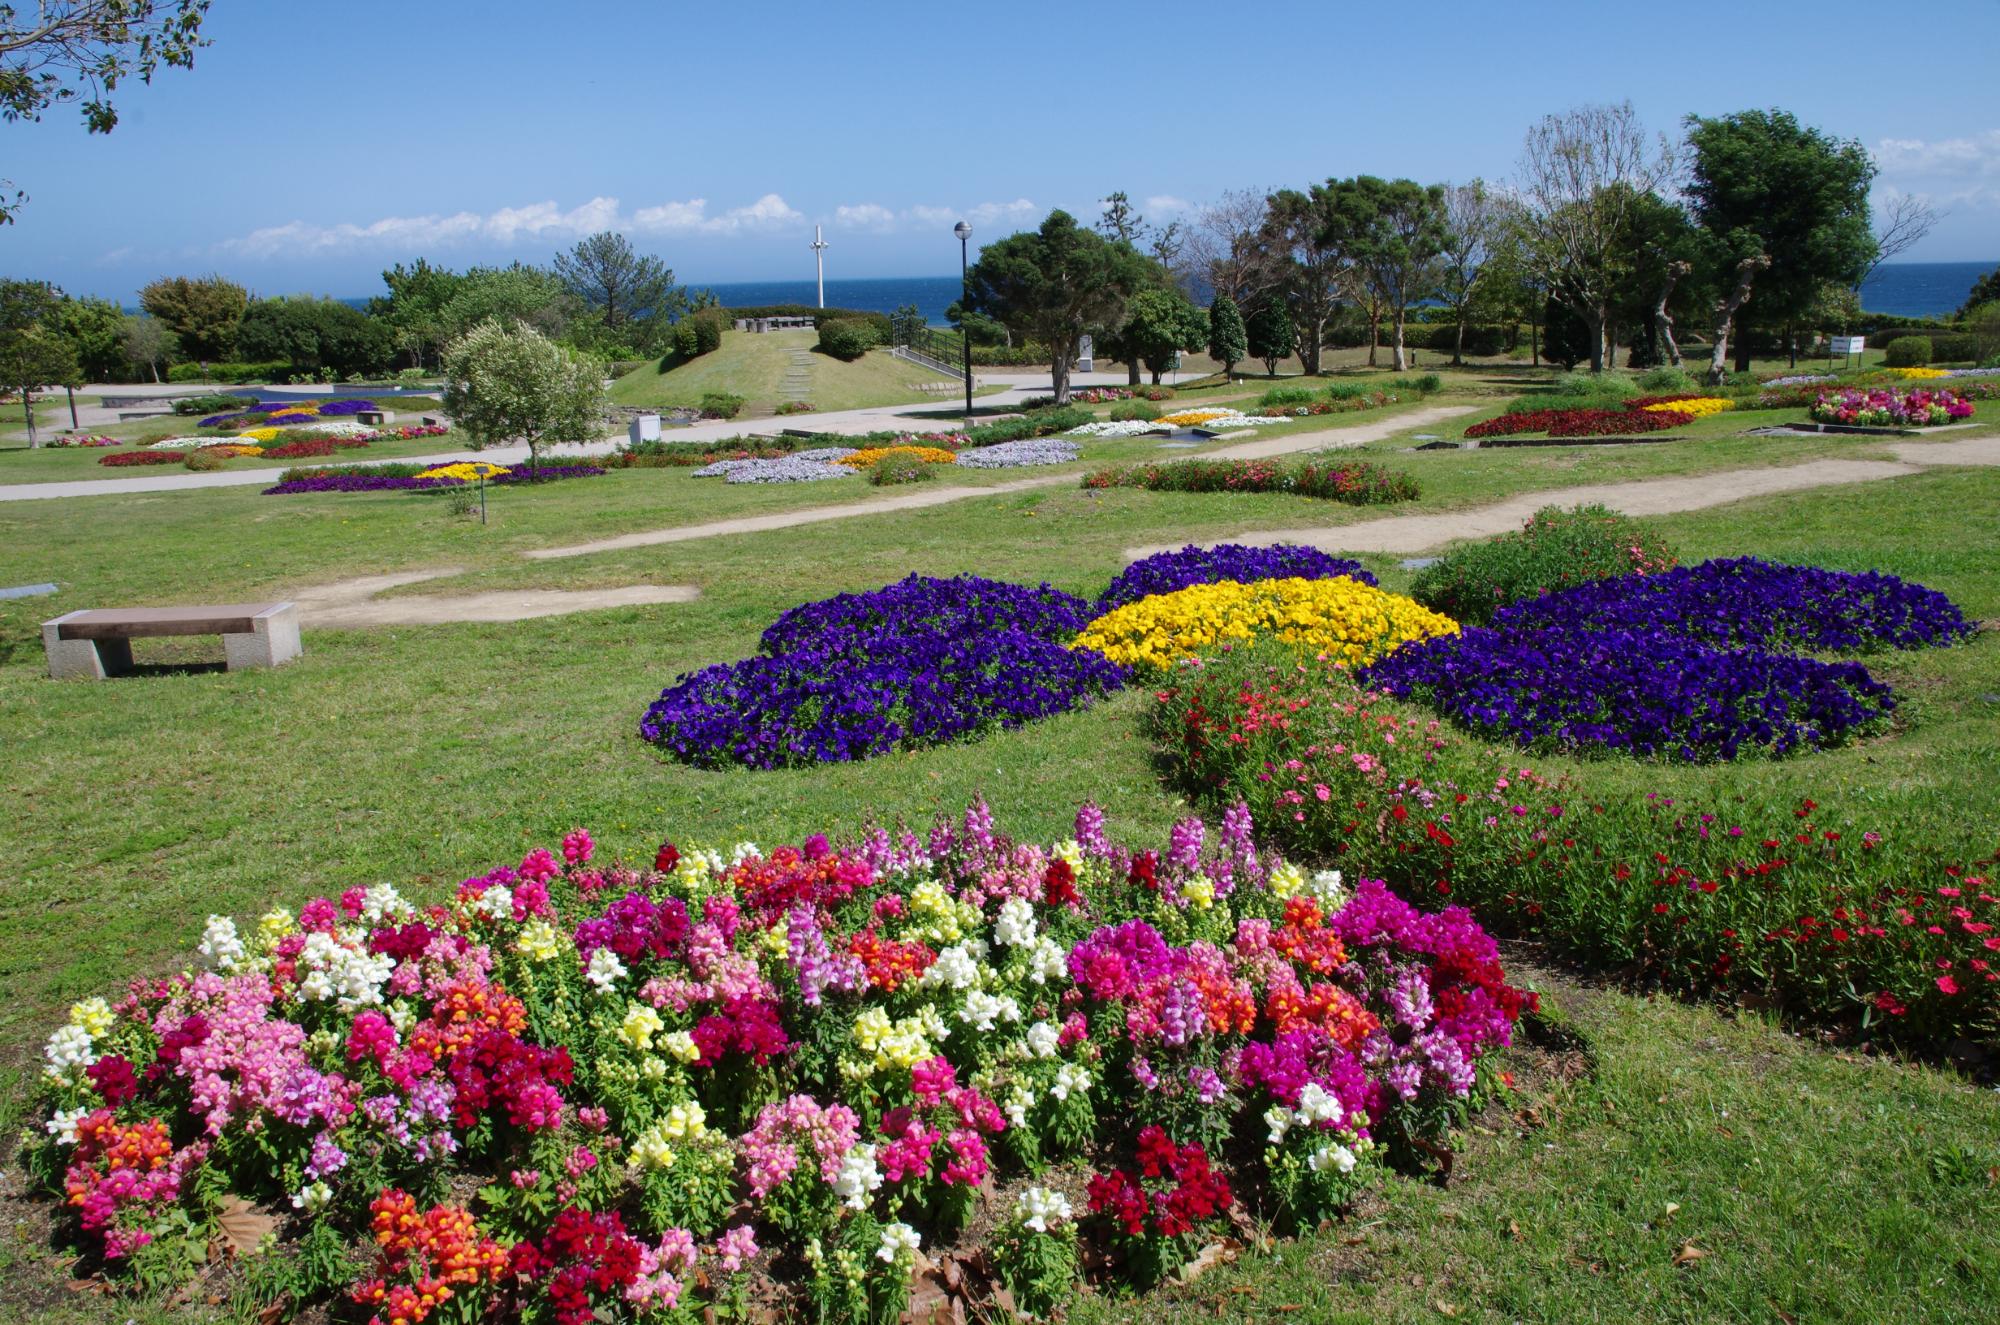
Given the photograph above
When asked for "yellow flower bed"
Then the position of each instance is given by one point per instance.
(930, 455)
(465, 471)
(232, 448)
(1193, 418)
(1701, 406)
(1342, 619)
(1919, 374)
(260, 434)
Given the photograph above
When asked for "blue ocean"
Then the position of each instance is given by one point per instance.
(1921, 289)
(931, 294)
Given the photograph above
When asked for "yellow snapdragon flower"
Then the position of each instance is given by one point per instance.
(538, 941)
(641, 1024)
(92, 1016)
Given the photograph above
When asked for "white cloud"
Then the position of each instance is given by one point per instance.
(507, 225)
(994, 213)
(1976, 157)
(926, 215)
(865, 216)
(1167, 204)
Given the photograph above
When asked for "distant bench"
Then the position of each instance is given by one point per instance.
(97, 642)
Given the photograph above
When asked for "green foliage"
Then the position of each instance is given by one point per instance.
(1228, 340)
(892, 470)
(1565, 335)
(1130, 410)
(202, 311)
(1288, 395)
(512, 383)
(1907, 352)
(1035, 423)
(1040, 1269)
(203, 461)
(1269, 335)
(846, 340)
(1666, 381)
(94, 329)
(276, 370)
(631, 295)
(1054, 284)
(1985, 290)
(314, 336)
(905, 324)
(1429, 384)
(1556, 549)
(1159, 323)
(1394, 230)
(212, 404)
(721, 405)
(699, 333)
(1954, 347)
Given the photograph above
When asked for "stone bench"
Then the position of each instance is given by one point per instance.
(374, 418)
(97, 642)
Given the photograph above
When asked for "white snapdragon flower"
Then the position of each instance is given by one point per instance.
(1336, 1157)
(312, 1197)
(957, 967)
(383, 902)
(1317, 1106)
(402, 1016)
(982, 1010)
(1047, 961)
(220, 947)
(68, 1048)
(858, 1177)
(1279, 1119)
(1015, 925)
(743, 851)
(63, 1125)
(605, 971)
(335, 971)
(897, 1238)
(1041, 1209)
(496, 903)
(1016, 1106)
(1043, 1039)
(1070, 1077)
(1327, 888)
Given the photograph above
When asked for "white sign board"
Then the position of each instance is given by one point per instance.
(1085, 360)
(1846, 345)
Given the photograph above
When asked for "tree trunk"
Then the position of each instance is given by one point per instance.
(1059, 370)
(1132, 371)
(1534, 341)
(1458, 341)
(1374, 333)
(28, 412)
(1309, 348)
(1792, 345)
(1725, 314)
(1401, 356)
(1599, 318)
(1663, 321)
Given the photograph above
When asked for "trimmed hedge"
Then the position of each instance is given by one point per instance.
(721, 405)
(273, 371)
(846, 339)
(1907, 352)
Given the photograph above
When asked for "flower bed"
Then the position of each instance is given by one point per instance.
(866, 456)
(373, 479)
(1555, 549)
(1582, 422)
(917, 663)
(1166, 572)
(1020, 455)
(1888, 407)
(1692, 663)
(120, 459)
(304, 411)
(1355, 482)
(1342, 619)
(620, 1088)
(1811, 907)
(1213, 420)
(1694, 406)
(69, 439)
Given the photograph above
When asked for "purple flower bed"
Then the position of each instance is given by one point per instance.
(1747, 602)
(1695, 663)
(917, 663)
(352, 482)
(1167, 572)
(1633, 692)
(333, 409)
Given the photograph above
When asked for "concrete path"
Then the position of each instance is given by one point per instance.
(351, 603)
(1325, 439)
(1658, 496)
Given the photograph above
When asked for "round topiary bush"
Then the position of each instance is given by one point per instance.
(846, 339)
(1907, 352)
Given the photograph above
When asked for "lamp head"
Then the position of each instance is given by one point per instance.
(963, 231)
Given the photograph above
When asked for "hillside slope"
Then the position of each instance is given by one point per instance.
(755, 367)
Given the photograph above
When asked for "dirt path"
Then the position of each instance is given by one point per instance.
(1657, 496)
(1325, 439)
(351, 603)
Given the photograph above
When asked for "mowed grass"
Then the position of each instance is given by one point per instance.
(1819, 1186)
(753, 366)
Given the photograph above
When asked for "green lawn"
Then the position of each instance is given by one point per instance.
(1822, 1185)
(753, 366)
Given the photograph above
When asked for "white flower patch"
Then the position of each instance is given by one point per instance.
(1043, 1039)
(1015, 925)
(982, 1011)
(1336, 1157)
(496, 903)
(1047, 961)
(857, 1178)
(383, 902)
(956, 967)
(68, 1048)
(335, 971)
(1041, 1209)
(897, 1238)
(220, 947)
(1070, 1079)
(1279, 1119)
(312, 1198)
(604, 971)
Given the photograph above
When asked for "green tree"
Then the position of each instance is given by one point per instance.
(1305, 239)
(1786, 209)
(147, 344)
(1477, 224)
(33, 353)
(94, 328)
(520, 292)
(1054, 284)
(414, 308)
(1396, 231)
(1160, 323)
(1228, 340)
(78, 51)
(201, 311)
(1566, 336)
(511, 383)
(1985, 290)
(314, 336)
(632, 294)
(1269, 335)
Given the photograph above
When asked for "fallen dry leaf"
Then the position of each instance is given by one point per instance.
(242, 1225)
(1688, 1254)
(1214, 1254)
(1673, 1208)
(1445, 1308)
(1514, 1230)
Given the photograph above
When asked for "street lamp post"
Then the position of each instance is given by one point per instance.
(964, 233)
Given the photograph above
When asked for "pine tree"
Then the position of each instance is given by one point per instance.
(1270, 334)
(1228, 342)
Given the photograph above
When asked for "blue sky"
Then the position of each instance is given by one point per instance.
(314, 144)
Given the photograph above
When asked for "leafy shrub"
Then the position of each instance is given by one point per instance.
(847, 340)
(1287, 395)
(206, 459)
(1133, 410)
(213, 404)
(1907, 352)
(792, 407)
(1427, 385)
(898, 468)
(1035, 423)
(1357, 483)
(622, 367)
(1954, 347)
(1565, 336)
(1557, 548)
(272, 371)
(721, 405)
(1666, 381)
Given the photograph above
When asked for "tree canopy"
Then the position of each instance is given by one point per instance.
(1228, 339)
(1054, 284)
(511, 383)
(202, 311)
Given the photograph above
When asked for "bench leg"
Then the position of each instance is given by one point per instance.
(81, 657)
(274, 642)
